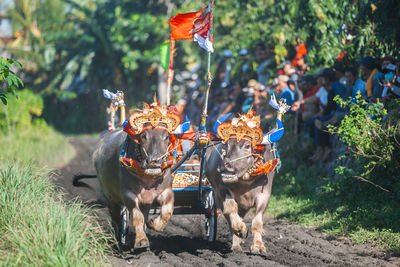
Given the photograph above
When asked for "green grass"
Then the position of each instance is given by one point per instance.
(307, 195)
(39, 229)
(42, 147)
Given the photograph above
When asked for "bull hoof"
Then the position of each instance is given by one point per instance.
(142, 243)
(237, 248)
(240, 230)
(258, 249)
(156, 225)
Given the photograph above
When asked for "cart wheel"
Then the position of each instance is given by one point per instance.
(124, 225)
(211, 216)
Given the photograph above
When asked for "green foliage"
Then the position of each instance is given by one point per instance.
(79, 47)
(308, 195)
(8, 77)
(28, 137)
(18, 115)
(371, 140)
(280, 24)
(39, 229)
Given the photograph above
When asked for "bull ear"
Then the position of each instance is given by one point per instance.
(182, 128)
(219, 121)
(275, 136)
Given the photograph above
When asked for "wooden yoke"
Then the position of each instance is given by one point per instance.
(121, 103)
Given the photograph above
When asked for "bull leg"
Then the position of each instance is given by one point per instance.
(114, 210)
(257, 225)
(141, 240)
(132, 203)
(231, 210)
(166, 200)
(236, 241)
(257, 230)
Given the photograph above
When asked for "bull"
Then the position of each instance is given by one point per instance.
(241, 173)
(133, 169)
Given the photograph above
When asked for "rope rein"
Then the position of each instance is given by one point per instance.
(220, 155)
(243, 157)
(166, 153)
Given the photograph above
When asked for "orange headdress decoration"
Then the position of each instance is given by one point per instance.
(247, 125)
(155, 115)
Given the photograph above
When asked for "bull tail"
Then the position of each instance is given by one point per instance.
(77, 177)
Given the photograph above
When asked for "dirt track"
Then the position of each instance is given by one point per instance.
(182, 243)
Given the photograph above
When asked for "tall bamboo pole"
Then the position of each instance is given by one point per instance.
(170, 70)
(209, 77)
(203, 125)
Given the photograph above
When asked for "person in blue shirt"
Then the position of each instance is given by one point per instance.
(284, 91)
(355, 85)
(330, 115)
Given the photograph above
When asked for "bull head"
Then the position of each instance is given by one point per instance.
(151, 130)
(240, 139)
(237, 159)
(154, 146)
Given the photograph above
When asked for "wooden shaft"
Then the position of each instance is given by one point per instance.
(122, 113)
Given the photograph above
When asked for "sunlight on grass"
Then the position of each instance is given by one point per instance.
(39, 229)
(42, 147)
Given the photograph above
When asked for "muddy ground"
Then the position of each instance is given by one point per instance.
(182, 242)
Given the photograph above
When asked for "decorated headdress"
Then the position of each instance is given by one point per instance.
(247, 125)
(155, 116)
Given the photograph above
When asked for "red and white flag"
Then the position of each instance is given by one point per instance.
(194, 25)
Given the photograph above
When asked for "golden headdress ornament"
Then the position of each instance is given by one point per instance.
(247, 125)
(155, 115)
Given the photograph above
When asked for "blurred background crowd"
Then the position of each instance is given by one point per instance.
(249, 78)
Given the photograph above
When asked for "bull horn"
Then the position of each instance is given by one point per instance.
(275, 136)
(220, 120)
(182, 128)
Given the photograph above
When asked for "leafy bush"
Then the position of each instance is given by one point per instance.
(20, 114)
(340, 205)
(372, 138)
(6, 74)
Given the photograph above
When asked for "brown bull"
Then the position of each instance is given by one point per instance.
(235, 195)
(133, 170)
(242, 179)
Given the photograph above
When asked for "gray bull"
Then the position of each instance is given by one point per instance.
(123, 187)
(230, 169)
(237, 196)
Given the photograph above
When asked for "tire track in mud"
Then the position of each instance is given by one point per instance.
(182, 243)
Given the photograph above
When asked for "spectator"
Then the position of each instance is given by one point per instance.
(371, 76)
(244, 69)
(238, 99)
(331, 114)
(264, 60)
(389, 80)
(354, 84)
(248, 103)
(340, 70)
(299, 60)
(260, 98)
(224, 69)
(284, 91)
(290, 71)
(310, 101)
(386, 60)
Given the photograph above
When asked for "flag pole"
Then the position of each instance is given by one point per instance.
(209, 77)
(170, 70)
(202, 134)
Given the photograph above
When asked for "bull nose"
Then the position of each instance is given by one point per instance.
(225, 167)
(152, 163)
